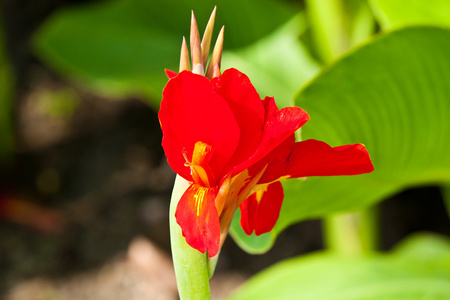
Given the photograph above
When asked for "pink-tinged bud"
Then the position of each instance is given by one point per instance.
(197, 61)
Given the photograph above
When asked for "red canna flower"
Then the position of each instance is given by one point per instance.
(234, 148)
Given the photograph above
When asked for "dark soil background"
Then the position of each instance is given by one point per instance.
(99, 179)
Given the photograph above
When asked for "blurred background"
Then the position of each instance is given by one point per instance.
(84, 183)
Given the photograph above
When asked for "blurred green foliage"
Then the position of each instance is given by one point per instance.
(122, 47)
(277, 64)
(6, 85)
(394, 14)
(419, 268)
(337, 25)
(57, 103)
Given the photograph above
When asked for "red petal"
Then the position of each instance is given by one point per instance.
(197, 216)
(191, 112)
(316, 158)
(260, 211)
(235, 87)
(279, 125)
(277, 161)
(170, 74)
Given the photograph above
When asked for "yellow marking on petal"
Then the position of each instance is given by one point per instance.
(223, 194)
(200, 169)
(202, 153)
(237, 183)
(200, 175)
(260, 192)
(186, 159)
(241, 187)
(199, 197)
(246, 192)
(278, 179)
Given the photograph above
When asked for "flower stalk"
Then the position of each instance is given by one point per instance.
(353, 233)
(191, 266)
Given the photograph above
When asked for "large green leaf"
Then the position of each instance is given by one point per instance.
(412, 12)
(124, 46)
(418, 269)
(391, 95)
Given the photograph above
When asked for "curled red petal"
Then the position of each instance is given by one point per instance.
(276, 161)
(197, 216)
(191, 111)
(261, 210)
(235, 87)
(170, 74)
(279, 125)
(316, 158)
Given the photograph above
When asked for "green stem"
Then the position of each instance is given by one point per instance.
(352, 233)
(337, 25)
(191, 266)
(326, 18)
